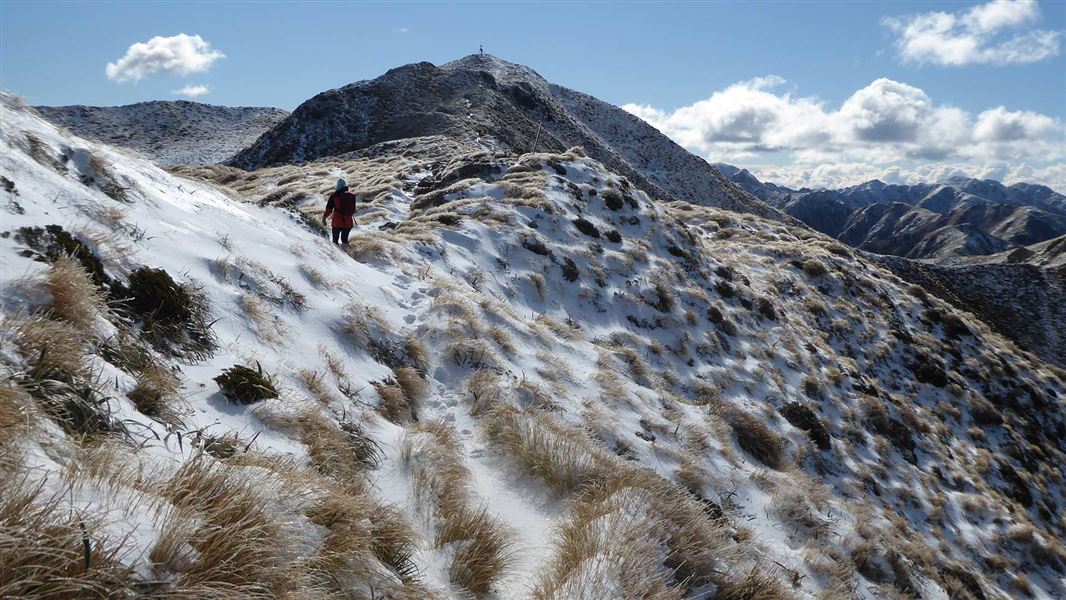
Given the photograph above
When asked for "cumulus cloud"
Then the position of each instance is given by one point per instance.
(888, 130)
(991, 33)
(193, 91)
(182, 54)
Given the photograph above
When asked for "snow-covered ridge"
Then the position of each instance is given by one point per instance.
(502, 106)
(169, 133)
(715, 402)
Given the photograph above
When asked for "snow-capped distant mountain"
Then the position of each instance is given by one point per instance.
(502, 106)
(955, 217)
(169, 132)
(530, 383)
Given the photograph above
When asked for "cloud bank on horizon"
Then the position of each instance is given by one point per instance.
(179, 54)
(888, 130)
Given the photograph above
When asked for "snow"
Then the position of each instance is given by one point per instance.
(563, 334)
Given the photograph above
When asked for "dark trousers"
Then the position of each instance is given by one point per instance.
(342, 233)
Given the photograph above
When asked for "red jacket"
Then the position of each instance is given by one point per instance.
(342, 206)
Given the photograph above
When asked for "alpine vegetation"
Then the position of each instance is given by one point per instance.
(525, 375)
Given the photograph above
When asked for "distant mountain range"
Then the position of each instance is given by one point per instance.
(169, 132)
(945, 219)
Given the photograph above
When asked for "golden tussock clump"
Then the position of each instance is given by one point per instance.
(482, 545)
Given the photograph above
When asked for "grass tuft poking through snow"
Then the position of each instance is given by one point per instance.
(481, 546)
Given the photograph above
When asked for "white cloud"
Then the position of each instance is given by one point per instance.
(193, 91)
(182, 54)
(401, 30)
(1002, 125)
(888, 130)
(984, 34)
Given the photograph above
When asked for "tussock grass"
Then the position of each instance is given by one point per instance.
(360, 532)
(173, 316)
(368, 330)
(564, 459)
(315, 277)
(74, 297)
(502, 339)
(267, 328)
(482, 546)
(47, 551)
(485, 390)
(341, 450)
(315, 382)
(395, 405)
(224, 514)
(410, 381)
(155, 393)
(49, 346)
(18, 417)
(417, 353)
(671, 544)
(754, 436)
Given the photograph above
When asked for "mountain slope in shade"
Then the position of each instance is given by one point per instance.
(1049, 253)
(169, 133)
(957, 217)
(1021, 293)
(502, 106)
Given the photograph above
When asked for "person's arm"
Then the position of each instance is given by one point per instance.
(329, 209)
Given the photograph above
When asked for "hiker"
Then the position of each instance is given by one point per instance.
(341, 205)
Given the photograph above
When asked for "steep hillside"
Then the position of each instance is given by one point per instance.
(169, 133)
(955, 228)
(1050, 253)
(524, 378)
(502, 106)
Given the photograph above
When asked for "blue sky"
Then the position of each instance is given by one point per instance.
(658, 58)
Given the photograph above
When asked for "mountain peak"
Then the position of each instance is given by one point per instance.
(504, 107)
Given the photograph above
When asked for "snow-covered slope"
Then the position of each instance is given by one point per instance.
(169, 133)
(523, 379)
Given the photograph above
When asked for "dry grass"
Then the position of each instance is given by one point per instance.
(670, 542)
(564, 459)
(74, 298)
(315, 382)
(395, 405)
(360, 532)
(47, 551)
(315, 277)
(225, 514)
(342, 450)
(410, 381)
(754, 436)
(637, 532)
(266, 327)
(482, 546)
(18, 417)
(485, 391)
(155, 393)
(502, 339)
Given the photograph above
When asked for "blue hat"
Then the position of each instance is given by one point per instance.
(341, 185)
